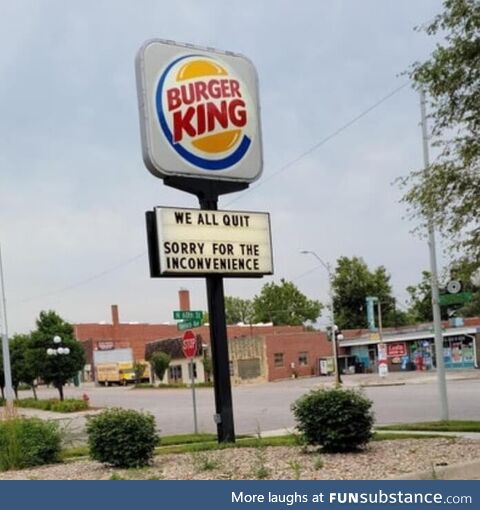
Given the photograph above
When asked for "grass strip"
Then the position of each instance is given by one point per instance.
(189, 443)
(436, 426)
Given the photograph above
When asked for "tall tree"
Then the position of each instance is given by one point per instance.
(420, 301)
(450, 191)
(284, 304)
(55, 369)
(22, 370)
(238, 310)
(352, 283)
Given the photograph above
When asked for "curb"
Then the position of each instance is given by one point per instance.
(464, 471)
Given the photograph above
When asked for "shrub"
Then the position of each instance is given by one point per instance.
(339, 420)
(122, 437)
(27, 442)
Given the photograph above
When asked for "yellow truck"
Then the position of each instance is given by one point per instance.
(121, 372)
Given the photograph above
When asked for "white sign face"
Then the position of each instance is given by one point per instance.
(197, 242)
(199, 114)
(382, 352)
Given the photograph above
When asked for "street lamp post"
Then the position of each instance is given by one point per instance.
(58, 350)
(333, 326)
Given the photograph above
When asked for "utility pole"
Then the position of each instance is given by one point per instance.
(437, 324)
(9, 395)
(336, 363)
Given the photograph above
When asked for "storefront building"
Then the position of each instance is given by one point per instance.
(414, 350)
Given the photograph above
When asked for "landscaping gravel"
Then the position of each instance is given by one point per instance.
(381, 460)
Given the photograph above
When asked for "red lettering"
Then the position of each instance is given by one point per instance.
(201, 127)
(214, 89)
(225, 88)
(188, 93)
(200, 90)
(216, 114)
(237, 112)
(173, 99)
(182, 121)
(235, 88)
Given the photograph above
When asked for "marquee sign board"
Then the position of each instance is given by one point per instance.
(195, 242)
(199, 112)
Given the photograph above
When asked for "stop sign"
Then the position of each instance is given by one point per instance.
(189, 345)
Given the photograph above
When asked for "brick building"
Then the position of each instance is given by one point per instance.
(257, 352)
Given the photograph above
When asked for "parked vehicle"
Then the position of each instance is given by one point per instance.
(121, 373)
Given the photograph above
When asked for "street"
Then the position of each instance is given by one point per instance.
(263, 407)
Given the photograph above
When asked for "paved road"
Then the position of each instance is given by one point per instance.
(263, 407)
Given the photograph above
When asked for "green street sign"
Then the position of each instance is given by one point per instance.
(182, 326)
(455, 299)
(196, 315)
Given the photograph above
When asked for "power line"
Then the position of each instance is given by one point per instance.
(320, 142)
(282, 169)
(83, 282)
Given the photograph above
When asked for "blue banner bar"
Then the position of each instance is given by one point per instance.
(231, 495)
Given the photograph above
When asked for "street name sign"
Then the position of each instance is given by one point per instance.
(182, 326)
(187, 314)
(455, 299)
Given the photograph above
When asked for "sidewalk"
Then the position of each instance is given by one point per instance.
(402, 378)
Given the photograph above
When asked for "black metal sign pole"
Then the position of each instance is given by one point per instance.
(208, 193)
(219, 343)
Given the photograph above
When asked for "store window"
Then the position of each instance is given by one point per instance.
(303, 359)
(190, 370)
(278, 360)
(175, 373)
(458, 351)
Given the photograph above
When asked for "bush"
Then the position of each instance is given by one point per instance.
(122, 437)
(337, 419)
(27, 442)
(68, 405)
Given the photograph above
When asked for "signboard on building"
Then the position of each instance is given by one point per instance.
(396, 350)
(382, 352)
(105, 345)
(199, 112)
(193, 242)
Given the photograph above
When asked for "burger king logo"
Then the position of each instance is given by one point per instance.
(205, 112)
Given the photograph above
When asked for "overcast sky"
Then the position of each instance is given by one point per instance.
(73, 187)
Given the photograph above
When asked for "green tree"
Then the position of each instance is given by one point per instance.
(22, 370)
(352, 283)
(420, 302)
(55, 369)
(159, 362)
(139, 369)
(450, 191)
(284, 304)
(238, 310)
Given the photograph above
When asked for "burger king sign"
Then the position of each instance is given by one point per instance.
(199, 112)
